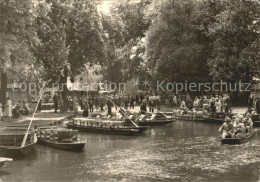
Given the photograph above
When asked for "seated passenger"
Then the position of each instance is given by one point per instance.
(183, 105)
(227, 129)
(26, 108)
(240, 128)
(249, 111)
(248, 122)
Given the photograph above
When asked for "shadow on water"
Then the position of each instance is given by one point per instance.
(181, 151)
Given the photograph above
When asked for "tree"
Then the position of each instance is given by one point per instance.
(175, 40)
(124, 29)
(235, 34)
(16, 19)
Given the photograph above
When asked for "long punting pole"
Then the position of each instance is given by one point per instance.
(26, 134)
(125, 114)
(158, 111)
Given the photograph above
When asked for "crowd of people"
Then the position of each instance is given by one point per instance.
(12, 109)
(237, 127)
(90, 104)
(212, 103)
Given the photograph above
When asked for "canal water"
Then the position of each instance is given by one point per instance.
(182, 151)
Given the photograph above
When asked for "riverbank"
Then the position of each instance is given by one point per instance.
(49, 117)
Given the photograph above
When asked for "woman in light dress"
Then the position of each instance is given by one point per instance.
(8, 109)
(219, 105)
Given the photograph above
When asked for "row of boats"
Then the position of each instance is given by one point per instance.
(65, 138)
(211, 117)
(12, 136)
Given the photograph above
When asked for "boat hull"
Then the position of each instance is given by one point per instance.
(155, 123)
(15, 151)
(234, 141)
(3, 161)
(110, 131)
(63, 146)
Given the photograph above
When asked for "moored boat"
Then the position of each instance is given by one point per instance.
(233, 141)
(218, 117)
(103, 126)
(60, 138)
(188, 115)
(11, 143)
(155, 119)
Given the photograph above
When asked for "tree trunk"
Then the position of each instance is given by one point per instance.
(3, 87)
(63, 83)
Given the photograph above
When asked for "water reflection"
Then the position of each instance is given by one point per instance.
(182, 151)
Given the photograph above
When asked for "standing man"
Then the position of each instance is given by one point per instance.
(61, 104)
(257, 105)
(143, 108)
(56, 102)
(91, 107)
(251, 100)
(132, 102)
(109, 108)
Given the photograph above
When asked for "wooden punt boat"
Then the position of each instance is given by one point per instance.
(3, 161)
(188, 116)
(104, 127)
(155, 119)
(218, 117)
(10, 143)
(64, 139)
(233, 141)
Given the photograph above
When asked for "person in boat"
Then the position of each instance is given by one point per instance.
(189, 102)
(234, 122)
(143, 108)
(248, 111)
(240, 128)
(196, 103)
(237, 119)
(183, 105)
(248, 122)
(227, 129)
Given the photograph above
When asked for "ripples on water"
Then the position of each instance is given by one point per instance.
(178, 152)
(189, 159)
